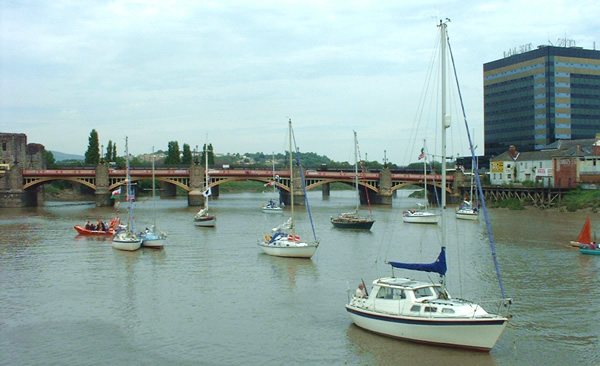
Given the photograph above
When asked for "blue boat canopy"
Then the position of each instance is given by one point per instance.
(439, 266)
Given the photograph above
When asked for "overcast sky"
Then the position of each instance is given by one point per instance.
(236, 71)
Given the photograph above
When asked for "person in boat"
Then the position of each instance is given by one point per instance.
(88, 226)
(360, 291)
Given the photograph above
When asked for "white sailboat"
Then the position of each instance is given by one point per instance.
(423, 311)
(284, 242)
(153, 237)
(353, 220)
(273, 206)
(126, 238)
(203, 217)
(468, 208)
(422, 214)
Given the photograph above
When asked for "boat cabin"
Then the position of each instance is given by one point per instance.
(407, 297)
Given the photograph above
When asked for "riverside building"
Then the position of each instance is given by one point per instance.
(535, 97)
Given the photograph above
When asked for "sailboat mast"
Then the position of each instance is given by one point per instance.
(445, 117)
(291, 179)
(206, 172)
(153, 188)
(356, 171)
(129, 191)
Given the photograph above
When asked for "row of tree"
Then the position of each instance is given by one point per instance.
(176, 157)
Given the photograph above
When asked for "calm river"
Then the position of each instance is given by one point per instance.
(211, 297)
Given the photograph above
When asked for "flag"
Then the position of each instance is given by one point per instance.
(116, 193)
(422, 154)
(207, 192)
(268, 184)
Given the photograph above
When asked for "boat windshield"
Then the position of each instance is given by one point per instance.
(426, 292)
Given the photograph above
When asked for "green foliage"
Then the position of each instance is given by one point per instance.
(50, 161)
(109, 151)
(510, 203)
(211, 155)
(92, 155)
(581, 199)
(187, 155)
(173, 154)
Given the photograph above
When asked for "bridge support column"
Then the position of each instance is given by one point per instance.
(195, 196)
(325, 191)
(384, 197)
(102, 192)
(12, 194)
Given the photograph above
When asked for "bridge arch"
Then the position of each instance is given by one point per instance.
(89, 182)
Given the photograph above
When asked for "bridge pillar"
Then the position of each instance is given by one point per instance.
(384, 197)
(195, 196)
(325, 191)
(285, 196)
(102, 192)
(11, 190)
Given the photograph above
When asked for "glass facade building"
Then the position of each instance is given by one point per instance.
(534, 98)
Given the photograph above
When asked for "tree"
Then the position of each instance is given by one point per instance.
(187, 155)
(173, 154)
(109, 152)
(50, 161)
(92, 155)
(211, 154)
(114, 152)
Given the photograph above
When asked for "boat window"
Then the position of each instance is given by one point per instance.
(430, 309)
(423, 292)
(447, 311)
(390, 293)
(415, 308)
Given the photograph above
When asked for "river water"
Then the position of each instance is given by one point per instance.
(211, 297)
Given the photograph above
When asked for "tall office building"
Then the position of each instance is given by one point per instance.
(534, 98)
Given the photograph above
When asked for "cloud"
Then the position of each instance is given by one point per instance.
(161, 71)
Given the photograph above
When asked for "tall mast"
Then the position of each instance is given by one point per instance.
(206, 171)
(291, 179)
(153, 188)
(356, 171)
(129, 190)
(445, 117)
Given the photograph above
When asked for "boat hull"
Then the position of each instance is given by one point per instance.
(126, 243)
(421, 218)
(272, 209)
(467, 215)
(589, 251)
(289, 249)
(152, 240)
(473, 333)
(83, 231)
(207, 221)
(362, 224)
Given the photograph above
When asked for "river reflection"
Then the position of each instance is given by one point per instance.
(211, 296)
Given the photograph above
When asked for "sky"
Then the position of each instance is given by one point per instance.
(233, 73)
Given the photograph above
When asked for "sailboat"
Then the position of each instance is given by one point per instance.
(203, 217)
(153, 238)
(273, 206)
(585, 235)
(422, 214)
(467, 209)
(352, 220)
(423, 311)
(284, 242)
(126, 238)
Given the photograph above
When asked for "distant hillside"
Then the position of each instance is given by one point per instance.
(58, 156)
